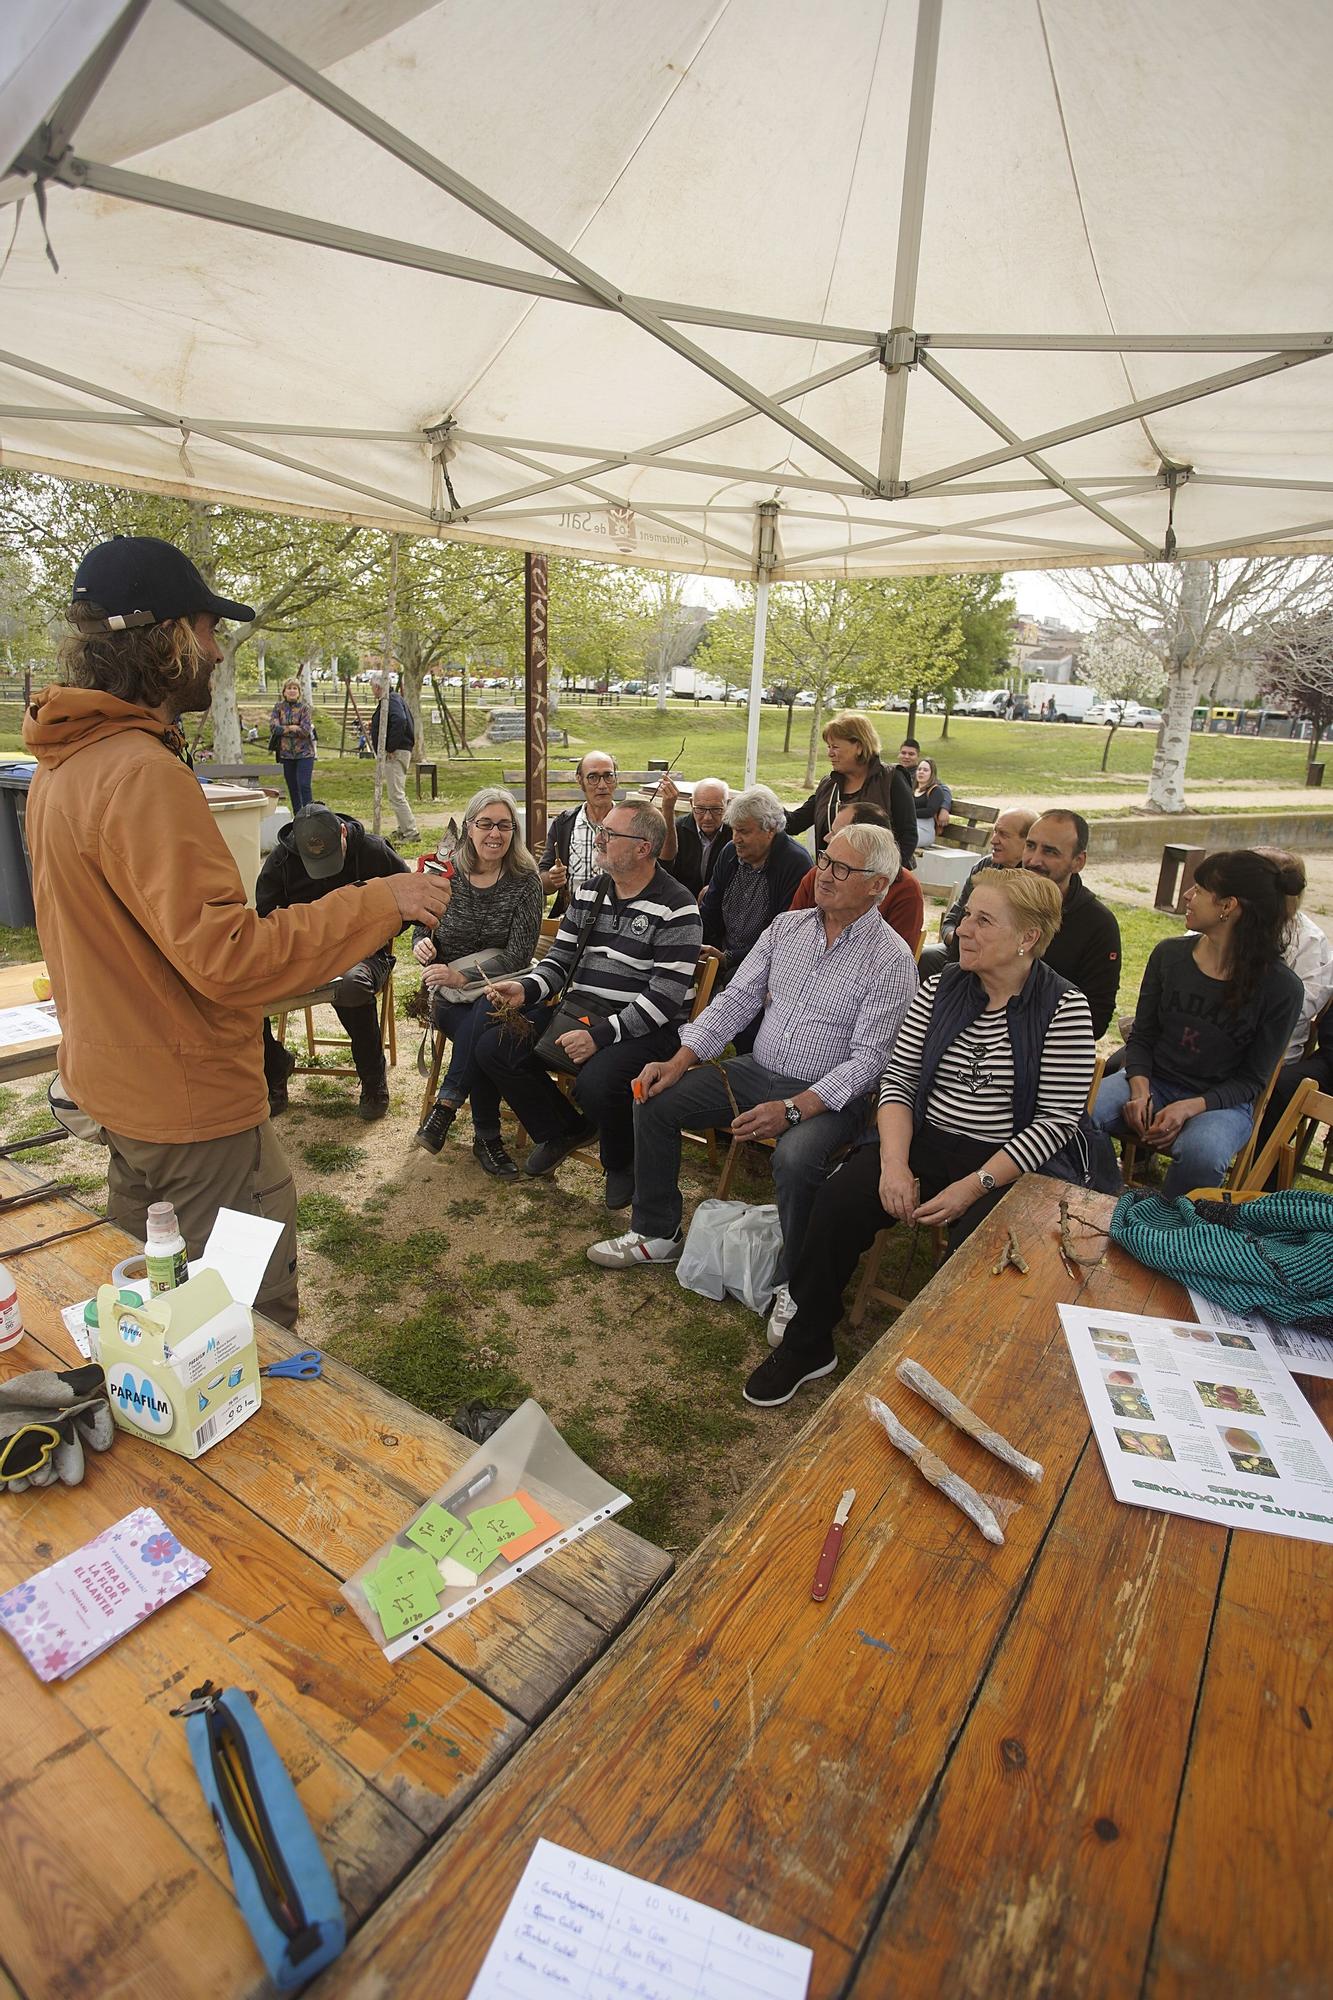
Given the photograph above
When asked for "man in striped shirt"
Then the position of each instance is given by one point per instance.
(831, 985)
(631, 986)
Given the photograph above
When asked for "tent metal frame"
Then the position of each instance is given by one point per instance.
(899, 351)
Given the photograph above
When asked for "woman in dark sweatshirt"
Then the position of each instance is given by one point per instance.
(1214, 1016)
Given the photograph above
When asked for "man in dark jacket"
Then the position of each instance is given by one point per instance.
(399, 739)
(569, 857)
(695, 840)
(1086, 948)
(322, 850)
(756, 876)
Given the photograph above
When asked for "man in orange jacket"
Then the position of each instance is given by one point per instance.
(160, 971)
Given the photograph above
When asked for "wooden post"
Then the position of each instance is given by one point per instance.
(534, 696)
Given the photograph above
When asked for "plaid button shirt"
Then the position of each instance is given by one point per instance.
(831, 1011)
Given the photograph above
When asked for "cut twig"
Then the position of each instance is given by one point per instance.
(509, 1017)
(1010, 1255)
(942, 1399)
(726, 1085)
(1071, 1218)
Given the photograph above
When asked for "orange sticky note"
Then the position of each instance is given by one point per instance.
(544, 1525)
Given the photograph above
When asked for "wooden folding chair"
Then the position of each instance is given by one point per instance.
(1237, 1172)
(1284, 1153)
(306, 1004)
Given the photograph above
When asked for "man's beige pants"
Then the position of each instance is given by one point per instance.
(397, 764)
(247, 1171)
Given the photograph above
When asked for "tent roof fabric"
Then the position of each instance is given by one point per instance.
(947, 285)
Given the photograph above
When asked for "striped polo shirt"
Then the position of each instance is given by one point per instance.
(639, 963)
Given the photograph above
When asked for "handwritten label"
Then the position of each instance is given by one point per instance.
(404, 1589)
(497, 1525)
(577, 1926)
(436, 1530)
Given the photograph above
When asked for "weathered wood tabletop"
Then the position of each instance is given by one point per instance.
(22, 1059)
(1095, 1761)
(111, 1876)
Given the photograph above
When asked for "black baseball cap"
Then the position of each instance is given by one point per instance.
(317, 835)
(139, 580)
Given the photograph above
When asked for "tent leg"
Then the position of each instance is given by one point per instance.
(535, 698)
(767, 524)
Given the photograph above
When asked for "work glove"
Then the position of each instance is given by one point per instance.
(47, 1417)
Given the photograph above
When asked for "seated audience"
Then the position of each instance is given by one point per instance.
(1215, 1012)
(931, 801)
(903, 909)
(1086, 948)
(855, 772)
(631, 986)
(319, 851)
(570, 856)
(695, 840)
(1309, 954)
(1007, 838)
(986, 1081)
(495, 906)
(755, 877)
(828, 987)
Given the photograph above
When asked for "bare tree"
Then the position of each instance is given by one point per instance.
(1197, 617)
(1122, 669)
(1297, 670)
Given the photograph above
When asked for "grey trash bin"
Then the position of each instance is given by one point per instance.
(15, 866)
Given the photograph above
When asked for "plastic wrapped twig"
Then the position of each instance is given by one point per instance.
(954, 1488)
(942, 1399)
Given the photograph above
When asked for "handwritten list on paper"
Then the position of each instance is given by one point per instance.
(577, 1927)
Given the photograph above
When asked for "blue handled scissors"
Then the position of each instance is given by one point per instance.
(303, 1366)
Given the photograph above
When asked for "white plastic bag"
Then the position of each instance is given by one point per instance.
(733, 1249)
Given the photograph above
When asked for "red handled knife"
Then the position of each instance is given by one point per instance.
(828, 1555)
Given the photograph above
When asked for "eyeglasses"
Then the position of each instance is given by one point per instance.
(840, 870)
(493, 825)
(599, 777)
(605, 833)
(709, 812)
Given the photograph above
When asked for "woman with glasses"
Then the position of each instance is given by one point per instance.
(987, 1080)
(855, 772)
(495, 904)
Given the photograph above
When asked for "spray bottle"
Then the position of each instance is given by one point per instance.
(11, 1319)
(164, 1252)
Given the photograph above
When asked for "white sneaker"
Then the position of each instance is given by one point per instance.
(782, 1315)
(621, 1253)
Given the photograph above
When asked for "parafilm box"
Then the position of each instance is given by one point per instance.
(182, 1368)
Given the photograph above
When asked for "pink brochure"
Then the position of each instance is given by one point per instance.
(66, 1615)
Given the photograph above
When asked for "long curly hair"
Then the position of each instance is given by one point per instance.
(1261, 886)
(143, 665)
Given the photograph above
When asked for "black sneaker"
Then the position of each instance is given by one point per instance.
(374, 1102)
(277, 1090)
(492, 1158)
(776, 1380)
(620, 1187)
(438, 1120)
(544, 1159)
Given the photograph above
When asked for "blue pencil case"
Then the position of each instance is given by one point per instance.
(281, 1879)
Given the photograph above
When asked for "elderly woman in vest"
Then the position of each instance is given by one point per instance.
(987, 1080)
(495, 905)
(856, 773)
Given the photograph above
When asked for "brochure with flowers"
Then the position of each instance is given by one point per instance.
(66, 1615)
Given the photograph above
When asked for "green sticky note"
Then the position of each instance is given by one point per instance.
(403, 1609)
(402, 1573)
(476, 1553)
(436, 1531)
(494, 1526)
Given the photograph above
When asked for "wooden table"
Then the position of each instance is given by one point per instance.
(1096, 1761)
(111, 1876)
(20, 1059)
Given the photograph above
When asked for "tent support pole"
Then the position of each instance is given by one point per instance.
(535, 697)
(57, 134)
(767, 522)
(900, 346)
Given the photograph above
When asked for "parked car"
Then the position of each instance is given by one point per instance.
(1125, 714)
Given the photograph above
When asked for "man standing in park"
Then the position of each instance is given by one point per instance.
(159, 970)
(398, 742)
(1086, 948)
(570, 856)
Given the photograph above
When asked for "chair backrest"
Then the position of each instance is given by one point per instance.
(1310, 1106)
(1239, 1170)
(705, 978)
(1098, 1072)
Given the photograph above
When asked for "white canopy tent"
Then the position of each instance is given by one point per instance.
(755, 288)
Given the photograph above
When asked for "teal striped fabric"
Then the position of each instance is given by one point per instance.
(1272, 1256)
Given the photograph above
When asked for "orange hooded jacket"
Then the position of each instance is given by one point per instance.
(160, 971)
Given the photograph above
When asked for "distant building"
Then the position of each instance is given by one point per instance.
(1042, 649)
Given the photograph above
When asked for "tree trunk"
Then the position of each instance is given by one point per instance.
(1166, 786)
(227, 747)
(260, 670)
(786, 741)
(1106, 747)
(944, 726)
(816, 717)
(411, 675)
(911, 714)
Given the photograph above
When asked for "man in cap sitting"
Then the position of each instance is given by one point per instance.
(318, 851)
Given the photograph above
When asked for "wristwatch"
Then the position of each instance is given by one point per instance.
(792, 1109)
(987, 1180)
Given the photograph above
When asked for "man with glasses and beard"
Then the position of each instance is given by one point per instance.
(623, 962)
(160, 972)
(829, 987)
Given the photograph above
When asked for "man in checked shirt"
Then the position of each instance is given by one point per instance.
(831, 985)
